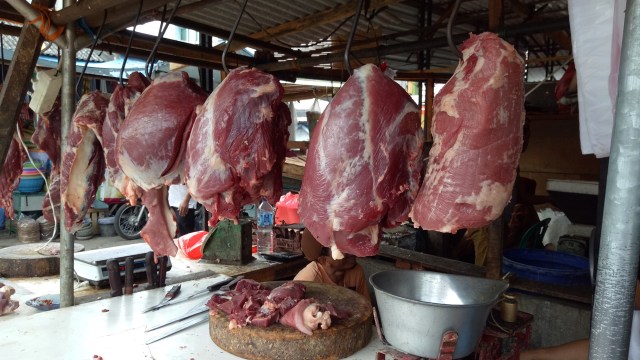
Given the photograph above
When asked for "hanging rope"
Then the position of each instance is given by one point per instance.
(126, 53)
(354, 26)
(233, 32)
(454, 12)
(93, 46)
(151, 58)
(47, 29)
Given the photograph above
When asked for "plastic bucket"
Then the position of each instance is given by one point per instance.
(106, 226)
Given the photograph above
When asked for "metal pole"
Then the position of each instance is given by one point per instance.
(30, 14)
(68, 107)
(620, 245)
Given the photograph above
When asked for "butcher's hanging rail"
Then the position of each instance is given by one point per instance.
(454, 12)
(354, 27)
(233, 32)
(126, 53)
(151, 59)
(40, 19)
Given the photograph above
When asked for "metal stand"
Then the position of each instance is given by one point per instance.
(448, 345)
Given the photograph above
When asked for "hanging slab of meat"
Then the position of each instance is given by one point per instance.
(122, 100)
(10, 174)
(477, 139)
(82, 168)
(150, 146)
(47, 136)
(363, 164)
(237, 146)
(272, 336)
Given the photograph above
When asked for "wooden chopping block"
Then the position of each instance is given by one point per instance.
(28, 260)
(277, 341)
(228, 243)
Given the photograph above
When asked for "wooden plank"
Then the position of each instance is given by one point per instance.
(17, 81)
(431, 262)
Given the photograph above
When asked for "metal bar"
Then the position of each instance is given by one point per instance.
(30, 14)
(68, 99)
(82, 9)
(619, 245)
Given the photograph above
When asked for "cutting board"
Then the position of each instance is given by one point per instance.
(277, 341)
(29, 260)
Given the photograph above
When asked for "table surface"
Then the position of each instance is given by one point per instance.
(114, 328)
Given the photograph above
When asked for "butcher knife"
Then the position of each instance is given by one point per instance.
(179, 327)
(224, 285)
(167, 297)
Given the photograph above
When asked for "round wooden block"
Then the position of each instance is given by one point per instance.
(27, 261)
(277, 341)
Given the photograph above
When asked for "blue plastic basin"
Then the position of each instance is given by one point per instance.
(30, 185)
(547, 266)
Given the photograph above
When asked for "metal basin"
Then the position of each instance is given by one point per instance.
(417, 307)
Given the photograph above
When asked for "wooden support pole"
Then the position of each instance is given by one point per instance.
(494, 249)
(17, 81)
(496, 15)
(428, 119)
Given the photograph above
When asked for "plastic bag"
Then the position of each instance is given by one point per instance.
(191, 244)
(28, 230)
(287, 209)
(313, 115)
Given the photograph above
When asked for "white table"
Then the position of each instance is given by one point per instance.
(114, 328)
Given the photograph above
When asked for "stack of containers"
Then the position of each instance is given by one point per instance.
(30, 180)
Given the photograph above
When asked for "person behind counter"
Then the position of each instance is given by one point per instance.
(184, 207)
(324, 269)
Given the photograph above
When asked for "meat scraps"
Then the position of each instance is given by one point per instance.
(82, 168)
(47, 137)
(7, 305)
(255, 304)
(10, 174)
(150, 146)
(237, 145)
(122, 100)
(363, 164)
(477, 139)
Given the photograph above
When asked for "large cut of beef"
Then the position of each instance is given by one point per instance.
(237, 145)
(122, 100)
(477, 139)
(363, 164)
(82, 167)
(150, 150)
(255, 304)
(10, 174)
(47, 136)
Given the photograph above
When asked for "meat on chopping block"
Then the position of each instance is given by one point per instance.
(122, 100)
(363, 164)
(237, 145)
(477, 139)
(47, 137)
(82, 167)
(10, 174)
(150, 150)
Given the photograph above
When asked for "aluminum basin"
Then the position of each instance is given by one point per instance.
(417, 307)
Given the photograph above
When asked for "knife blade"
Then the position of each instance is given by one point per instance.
(172, 293)
(179, 327)
(198, 309)
(211, 288)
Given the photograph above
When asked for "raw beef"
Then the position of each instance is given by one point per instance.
(363, 164)
(122, 100)
(150, 146)
(238, 142)
(47, 136)
(253, 303)
(82, 168)
(477, 139)
(10, 174)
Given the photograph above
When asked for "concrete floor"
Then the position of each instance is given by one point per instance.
(28, 288)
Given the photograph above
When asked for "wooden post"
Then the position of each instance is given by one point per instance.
(494, 249)
(17, 81)
(496, 15)
(429, 110)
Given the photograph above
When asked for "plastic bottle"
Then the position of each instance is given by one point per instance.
(264, 233)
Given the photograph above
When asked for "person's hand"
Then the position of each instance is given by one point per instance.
(184, 207)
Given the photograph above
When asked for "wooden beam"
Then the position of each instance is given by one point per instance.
(18, 78)
(82, 9)
(496, 15)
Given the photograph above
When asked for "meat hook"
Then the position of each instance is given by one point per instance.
(152, 55)
(454, 12)
(126, 53)
(93, 47)
(2, 55)
(354, 26)
(233, 32)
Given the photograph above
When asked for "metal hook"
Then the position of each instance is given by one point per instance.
(354, 26)
(454, 12)
(126, 53)
(2, 55)
(93, 47)
(233, 32)
(151, 58)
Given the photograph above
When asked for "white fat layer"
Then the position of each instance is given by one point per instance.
(492, 195)
(336, 254)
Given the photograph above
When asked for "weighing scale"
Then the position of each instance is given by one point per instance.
(92, 265)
